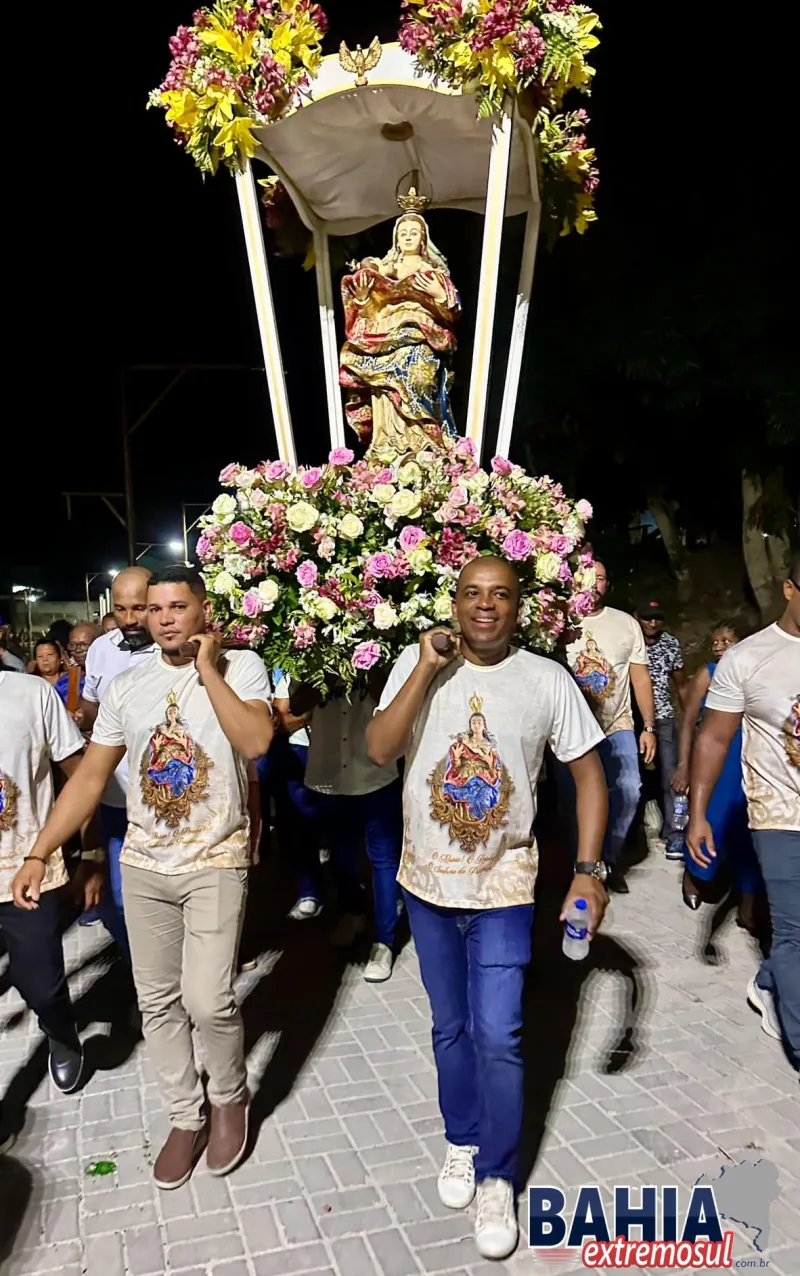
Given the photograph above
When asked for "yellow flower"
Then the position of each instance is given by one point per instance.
(302, 516)
(236, 139)
(404, 504)
(181, 108)
(350, 527)
(218, 103)
(238, 46)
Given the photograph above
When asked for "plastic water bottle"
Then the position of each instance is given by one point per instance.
(575, 943)
(680, 810)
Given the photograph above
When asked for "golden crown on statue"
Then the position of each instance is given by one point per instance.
(412, 201)
(476, 704)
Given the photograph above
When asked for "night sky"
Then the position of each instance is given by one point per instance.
(140, 262)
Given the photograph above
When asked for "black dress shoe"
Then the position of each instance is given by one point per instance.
(615, 881)
(690, 897)
(66, 1065)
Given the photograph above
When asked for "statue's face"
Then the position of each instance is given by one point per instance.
(409, 237)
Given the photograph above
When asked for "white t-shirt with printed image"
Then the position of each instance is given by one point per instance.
(104, 660)
(469, 797)
(601, 660)
(760, 678)
(187, 796)
(35, 730)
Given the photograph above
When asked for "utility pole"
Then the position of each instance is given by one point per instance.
(128, 464)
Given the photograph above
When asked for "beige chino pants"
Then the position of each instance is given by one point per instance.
(184, 931)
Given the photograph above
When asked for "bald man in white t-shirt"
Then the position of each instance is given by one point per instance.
(758, 681)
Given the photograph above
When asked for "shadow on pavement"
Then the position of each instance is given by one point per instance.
(18, 1187)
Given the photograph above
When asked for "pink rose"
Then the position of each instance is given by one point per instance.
(458, 496)
(341, 456)
(560, 545)
(582, 604)
(445, 513)
(517, 545)
(258, 498)
(277, 470)
(309, 478)
(252, 604)
(371, 598)
(465, 447)
(383, 476)
(228, 475)
(245, 633)
(366, 655)
(203, 546)
(379, 564)
(307, 574)
(410, 538)
(584, 510)
(241, 534)
(501, 465)
(564, 573)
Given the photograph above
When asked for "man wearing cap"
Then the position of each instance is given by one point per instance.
(665, 662)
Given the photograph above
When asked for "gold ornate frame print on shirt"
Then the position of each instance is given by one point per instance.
(174, 769)
(9, 792)
(791, 731)
(470, 787)
(593, 673)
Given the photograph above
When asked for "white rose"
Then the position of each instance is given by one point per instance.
(224, 583)
(382, 493)
(350, 527)
(478, 483)
(302, 516)
(268, 591)
(547, 567)
(224, 508)
(326, 608)
(258, 499)
(385, 616)
(245, 480)
(404, 504)
(409, 474)
(443, 607)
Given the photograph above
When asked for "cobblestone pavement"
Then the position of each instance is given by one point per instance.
(645, 1065)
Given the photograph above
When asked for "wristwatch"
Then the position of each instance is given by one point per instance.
(593, 868)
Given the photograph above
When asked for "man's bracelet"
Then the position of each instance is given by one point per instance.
(94, 857)
(37, 858)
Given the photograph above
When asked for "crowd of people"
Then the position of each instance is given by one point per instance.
(193, 748)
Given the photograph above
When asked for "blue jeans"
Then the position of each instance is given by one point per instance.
(778, 853)
(619, 755)
(473, 966)
(281, 773)
(378, 819)
(113, 826)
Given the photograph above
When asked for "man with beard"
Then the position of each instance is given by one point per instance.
(473, 722)
(189, 723)
(108, 655)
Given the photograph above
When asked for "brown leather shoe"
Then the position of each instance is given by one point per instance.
(176, 1161)
(227, 1142)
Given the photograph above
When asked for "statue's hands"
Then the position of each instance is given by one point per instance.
(430, 284)
(362, 284)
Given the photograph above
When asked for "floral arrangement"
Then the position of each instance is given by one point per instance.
(533, 49)
(241, 63)
(329, 571)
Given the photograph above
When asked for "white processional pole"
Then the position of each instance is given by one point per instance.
(265, 309)
(490, 266)
(517, 345)
(330, 350)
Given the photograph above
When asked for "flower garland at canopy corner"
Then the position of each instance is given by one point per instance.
(330, 570)
(534, 48)
(240, 64)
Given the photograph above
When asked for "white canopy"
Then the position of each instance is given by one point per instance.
(342, 172)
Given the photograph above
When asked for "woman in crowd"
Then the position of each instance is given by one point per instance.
(727, 810)
(49, 663)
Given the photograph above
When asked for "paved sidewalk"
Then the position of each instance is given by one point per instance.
(645, 1066)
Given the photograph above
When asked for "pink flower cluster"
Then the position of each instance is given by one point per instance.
(185, 48)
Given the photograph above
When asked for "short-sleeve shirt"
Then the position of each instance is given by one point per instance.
(760, 678)
(35, 730)
(338, 761)
(664, 656)
(601, 661)
(469, 797)
(104, 660)
(187, 796)
(283, 691)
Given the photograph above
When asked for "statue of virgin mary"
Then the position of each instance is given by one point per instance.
(395, 363)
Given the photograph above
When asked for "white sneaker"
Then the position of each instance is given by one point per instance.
(304, 909)
(457, 1179)
(762, 1000)
(347, 929)
(496, 1229)
(379, 967)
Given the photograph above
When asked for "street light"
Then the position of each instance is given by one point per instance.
(176, 546)
(113, 571)
(31, 596)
